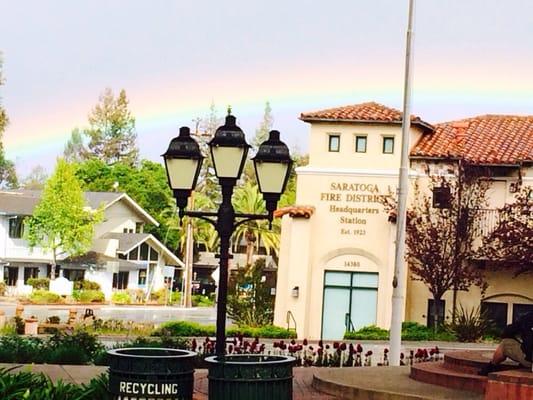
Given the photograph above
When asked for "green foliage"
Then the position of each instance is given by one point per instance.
(184, 328)
(410, 331)
(111, 131)
(75, 150)
(8, 175)
(36, 179)
(60, 220)
(470, 325)
(86, 285)
(249, 301)
(371, 332)
(19, 349)
(267, 331)
(39, 283)
(199, 300)
(45, 297)
(88, 296)
(29, 386)
(121, 298)
(2, 288)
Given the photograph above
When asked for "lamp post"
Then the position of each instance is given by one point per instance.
(228, 150)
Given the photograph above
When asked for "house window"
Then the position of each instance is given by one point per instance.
(74, 274)
(360, 144)
(139, 227)
(388, 145)
(521, 309)
(127, 230)
(142, 277)
(153, 255)
(144, 251)
(334, 143)
(30, 272)
(49, 270)
(120, 280)
(16, 227)
(134, 254)
(441, 197)
(11, 275)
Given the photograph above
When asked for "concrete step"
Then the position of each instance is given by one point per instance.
(382, 383)
(471, 361)
(436, 373)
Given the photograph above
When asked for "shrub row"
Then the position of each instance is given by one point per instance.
(410, 331)
(193, 329)
(31, 386)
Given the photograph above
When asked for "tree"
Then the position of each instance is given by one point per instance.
(511, 242)
(60, 222)
(111, 132)
(8, 175)
(250, 302)
(248, 200)
(439, 237)
(75, 150)
(36, 179)
(261, 133)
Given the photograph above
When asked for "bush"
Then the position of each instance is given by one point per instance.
(184, 328)
(121, 298)
(45, 297)
(20, 349)
(2, 288)
(67, 355)
(199, 300)
(27, 385)
(39, 283)
(88, 296)
(267, 331)
(470, 326)
(371, 332)
(416, 331)
(86, 285)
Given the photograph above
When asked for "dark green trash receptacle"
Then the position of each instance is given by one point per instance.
(154, 373)
(245, 377)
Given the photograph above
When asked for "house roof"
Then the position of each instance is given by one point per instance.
(128, 241)
(23, 202)
(370, 112)
(486, 139)
(295, 211)
(94, 258)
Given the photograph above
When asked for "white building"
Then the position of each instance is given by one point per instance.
(121, 255)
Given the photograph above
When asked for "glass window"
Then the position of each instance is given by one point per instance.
(139, 227)
(11, 275)
(134, 254)
(74, 274)
(432, 312)
(153, 254)
(388, 145)
(441, 197)
(496, 313)
(144, 251)
(360, 144)
(120, 280)
(16, 227)
(334, 143)
(121, 256)
(142, 277)
(337, 278)
(30, 272)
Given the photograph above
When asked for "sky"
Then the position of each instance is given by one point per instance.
(176, 58)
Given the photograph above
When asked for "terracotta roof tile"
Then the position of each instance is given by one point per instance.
(486, 139)
(364, 112)
(295, 211)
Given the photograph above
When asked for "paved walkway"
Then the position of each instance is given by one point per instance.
(303, 378)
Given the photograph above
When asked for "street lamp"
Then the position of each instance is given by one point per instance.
(228, 150)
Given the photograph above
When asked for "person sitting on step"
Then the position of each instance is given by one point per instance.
(516, 344)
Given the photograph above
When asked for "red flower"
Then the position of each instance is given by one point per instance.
(305, 342)
(359, 348)
(335, 345)
(386, 351)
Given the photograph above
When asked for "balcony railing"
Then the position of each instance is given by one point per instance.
(486, 221)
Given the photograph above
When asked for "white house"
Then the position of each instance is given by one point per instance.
(122, 256)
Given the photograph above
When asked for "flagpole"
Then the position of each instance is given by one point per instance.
(400, 272)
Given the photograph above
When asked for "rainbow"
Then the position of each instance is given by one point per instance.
(160, 107)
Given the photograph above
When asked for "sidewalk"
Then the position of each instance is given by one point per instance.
(302, 383)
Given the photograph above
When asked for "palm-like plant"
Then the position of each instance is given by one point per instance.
(247, 199)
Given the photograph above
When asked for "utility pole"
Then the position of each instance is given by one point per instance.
(400, 273)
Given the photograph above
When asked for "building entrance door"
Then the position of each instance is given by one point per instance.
(350, 302)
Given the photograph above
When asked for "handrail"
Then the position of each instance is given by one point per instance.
(348, 324)
(288, 318)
